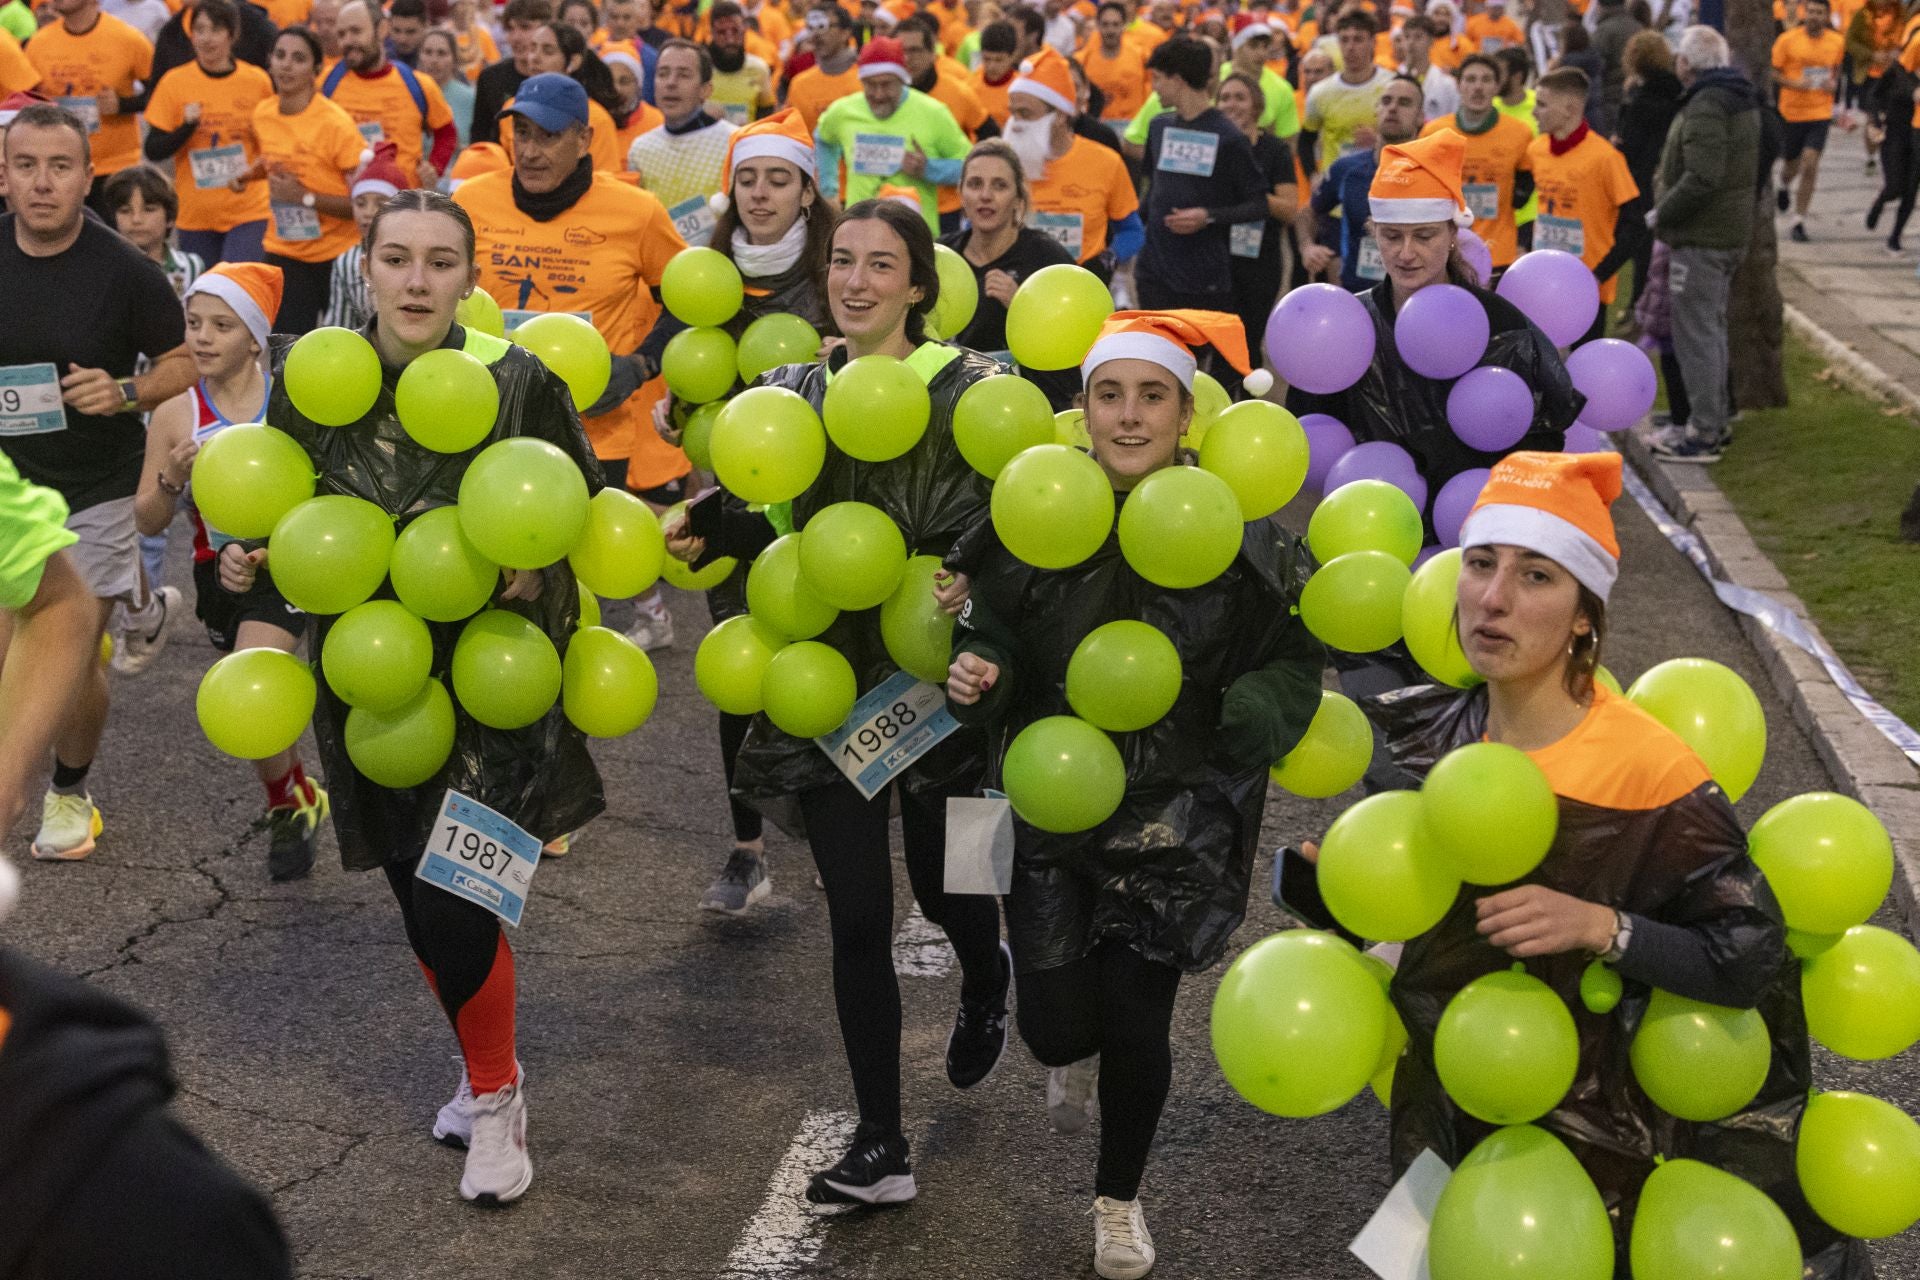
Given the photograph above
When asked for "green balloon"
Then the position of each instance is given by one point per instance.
(1365, 515)
(589, 611)
(1299, 1024)
(1464, 790)
(1069, 428)
(377, 655)
(1858, 1159)
(1055, 315)
(959, 294)
(699, 364)
(330, 553)
(997, 418)
(731, 663)
(1700, 1061)
(1210, 400)
(255, 703)
(1063, 775)
(573, 349)
(852, 555)
(506, 672)
(447, 401)
(1695, 1221)
(1427, 612)
(774, 340)
(696, 433)
(437, 571)
(523, 503)
(876, 408)
(702, 287)
(1181, 527)
(1395, 1044)
(1124, 676)
(779, 596)
(1506, 1050)
(479, 311)
(1520, 1207)
(918, 633)
(767, 445)
(607, 683)
(247, 476)
(1809, 945)
(1863, 994)
(1379, 872)
(1353, 602)
(1610, 680)
(1600, 988)
(1052, 506)
(1332, 755)
(620, 551)
(332, 376)
(809, 689)
(1713, 711)
(404, 747)
(1827, 858)
(1260, 450)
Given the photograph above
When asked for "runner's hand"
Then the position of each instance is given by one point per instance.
(628, 373)
(239, 567)
(179, 466)
(1000, 286)
(969, 677)
(663, 420)
(950, 590)
(1534, 920)
(1316, 258)
(91, 391)
(681, 545)
(1184, 222)
(428, 176)
(108, 101)
(522, 584)
(284, 188)
(914, 162)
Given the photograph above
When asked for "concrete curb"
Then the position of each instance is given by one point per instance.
(1855, 370)
(1864, 764)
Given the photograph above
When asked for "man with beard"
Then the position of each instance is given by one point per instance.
(386, 99)
(1396, 120)
(889, 135)
(1081, 193)
(742, 81)
(832, 76)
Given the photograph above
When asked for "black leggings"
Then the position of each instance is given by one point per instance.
(1115, 1002)
(746, 818)
(848, 836)
(306, 287)
(455, 939)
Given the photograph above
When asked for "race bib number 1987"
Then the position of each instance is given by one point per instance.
(477, 854)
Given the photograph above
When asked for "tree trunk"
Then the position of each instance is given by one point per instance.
(1755, 333)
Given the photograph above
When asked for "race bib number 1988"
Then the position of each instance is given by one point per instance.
(898, 721)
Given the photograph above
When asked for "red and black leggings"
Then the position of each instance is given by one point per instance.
(464, 954)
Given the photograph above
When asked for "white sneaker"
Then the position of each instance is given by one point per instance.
(454, 1124)
(69, 824)
(651, 631)
(498, 1169)
(1122, 1249)
(144, 638)
(1070, 1095)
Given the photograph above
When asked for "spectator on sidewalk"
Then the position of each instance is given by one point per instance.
(1652, 99)
(1703, 212)
(1616, 26)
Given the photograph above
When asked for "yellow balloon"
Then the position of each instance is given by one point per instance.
(1427, 613)
(701, 286)
(959, 294)
(573, 349)
(1055, 315)
(621, 549)
(479, 311)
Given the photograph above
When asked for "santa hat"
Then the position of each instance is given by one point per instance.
(1046, 76)
(1554, 504)
(1419, 181)
(477, 161)
(780, 136)
(14, 103)
(383, 174)
(252, 289)
(623, 54)
(1167, 338)
(1247, 27)
(909, 196)
(884, 56)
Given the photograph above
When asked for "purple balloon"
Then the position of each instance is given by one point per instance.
(1327, 441)
(1556, 291)
(1426, 553)
(1490, 408)
(1474, 252)
(1582, 438)
(1320, 339)
(1441, 331)
(1380, 460)
(1455, 500)
(1618, 381)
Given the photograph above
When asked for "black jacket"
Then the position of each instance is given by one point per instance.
(173, 46)
(491, 89)
(1645, 116)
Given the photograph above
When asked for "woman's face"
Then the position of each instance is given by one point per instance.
(869, 282)
(212, 44)
(417, 270)
(626, 85)
(989, 194)
(770, 196)
(543, 52)
(1415, 254)
(1236, 104)
(217, 340)
(1136, 412)
(291, 65)
(437, 57)
(1518, 612)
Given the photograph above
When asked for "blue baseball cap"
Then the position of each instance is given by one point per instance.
(551, 100)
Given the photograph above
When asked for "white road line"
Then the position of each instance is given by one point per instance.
(921, 949)
(783, 1237)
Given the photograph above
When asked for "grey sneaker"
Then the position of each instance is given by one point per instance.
(651, 631)
(1070, 1095)
(742, 882)
(146, 635)
(1690, 449)
(1122, 1248)
(498, 1170)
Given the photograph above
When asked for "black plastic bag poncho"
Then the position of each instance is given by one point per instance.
(1683, 862)
(541, 777)
(1168, 874)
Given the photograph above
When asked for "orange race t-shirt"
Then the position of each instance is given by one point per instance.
(74, 69)
(320, 146)
(645, 117)
(1580, 197)
(1488, 35)
(813, 91)
(221, 146)
(287, 13)
(1446, 54)
(1816, 60)
(1493, 157)
(17, 72)
(383, 109)
(477, 49)
(1123, 78)
(599, 260)
(992, 96)
(1084, 191)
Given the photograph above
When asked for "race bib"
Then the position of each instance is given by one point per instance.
(295, 222)
(694, 219)
(1064, 229)
(477, 854)
(215, 167)
(372, 133)
(514, 319)
(736, 112)
(1190, 151)
(1492, 44)
(878, 155)
(1369, 265)
(898, 721)
(1819, 78)
(88, 109)
(1244, 239)
(1564, 234)
(30, 403)
(1483, 200)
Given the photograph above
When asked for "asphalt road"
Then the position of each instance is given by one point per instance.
(684, 1070)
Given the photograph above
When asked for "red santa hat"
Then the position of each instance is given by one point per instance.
(884, 56)
(383, 174)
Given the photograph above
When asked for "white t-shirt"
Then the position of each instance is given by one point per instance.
(1442, 93)
(144, 16)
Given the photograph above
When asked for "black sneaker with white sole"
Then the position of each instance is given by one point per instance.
(979, 1037)
(875, 1171)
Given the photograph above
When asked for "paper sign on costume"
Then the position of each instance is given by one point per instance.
(215, 167)
(88, 109)
(898, 721)
(477, 854)
(1370, 265)
(30, 403)
(1190, 151)
(1820, 78)
(1393, 1244)
(373, 133)
(514, 319)
(878, 155)
(979, 845)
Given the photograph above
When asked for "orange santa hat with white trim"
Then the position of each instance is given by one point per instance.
(1419, 181)
(1047, 77)
(1167, 338)
(252, 289)
(1555, 504)
(780, 136)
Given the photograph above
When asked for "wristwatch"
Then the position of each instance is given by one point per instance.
(1622, 938)
(308, 200)
(130, 398)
